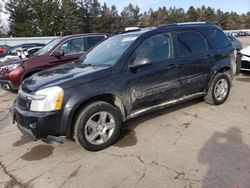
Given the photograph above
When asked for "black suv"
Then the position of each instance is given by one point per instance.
(123, 77)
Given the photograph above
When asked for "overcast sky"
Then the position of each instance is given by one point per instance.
(239, 6)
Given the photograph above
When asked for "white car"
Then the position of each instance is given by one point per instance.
(245, 65)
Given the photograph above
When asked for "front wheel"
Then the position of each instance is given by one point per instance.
(98, 126)
(219, 89)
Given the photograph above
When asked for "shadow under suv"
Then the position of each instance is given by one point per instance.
(58, 51)
(123, 77)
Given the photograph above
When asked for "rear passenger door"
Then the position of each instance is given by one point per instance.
(195, 60)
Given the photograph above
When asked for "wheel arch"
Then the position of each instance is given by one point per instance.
(110, 98)
(222, 69)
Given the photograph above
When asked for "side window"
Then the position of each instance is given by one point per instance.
(190, 42)
(156, 48)
(91, 41)
(31, 52)
(73, 46)
(217, 38)
(13, 51)
(28, 46)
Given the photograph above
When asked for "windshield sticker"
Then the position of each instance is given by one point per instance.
(129, 39)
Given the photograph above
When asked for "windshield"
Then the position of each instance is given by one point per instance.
(109, 51)
(48, 47)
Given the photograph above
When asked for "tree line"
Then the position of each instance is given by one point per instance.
(63, 17)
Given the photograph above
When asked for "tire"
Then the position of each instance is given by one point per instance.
(211, 97)
(93, 132)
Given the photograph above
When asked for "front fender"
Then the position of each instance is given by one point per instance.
(77, 99)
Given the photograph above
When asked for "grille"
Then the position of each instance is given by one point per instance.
(23, 103)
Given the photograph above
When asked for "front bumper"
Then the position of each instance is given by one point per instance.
(38, 125)
(7, 85)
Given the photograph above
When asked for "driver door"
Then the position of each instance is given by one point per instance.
(158, 79)
(72, 48)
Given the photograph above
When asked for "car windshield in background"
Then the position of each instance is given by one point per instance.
(109, 51)
(47, 48)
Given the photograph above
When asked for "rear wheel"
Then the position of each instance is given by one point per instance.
(219, 89)
(98, 126)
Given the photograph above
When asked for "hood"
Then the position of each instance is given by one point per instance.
(246, 51)
(65, 76)
(12, 61)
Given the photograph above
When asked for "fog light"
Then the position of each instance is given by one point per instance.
(33, 125)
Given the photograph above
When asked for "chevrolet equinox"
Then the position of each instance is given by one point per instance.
(127, 75)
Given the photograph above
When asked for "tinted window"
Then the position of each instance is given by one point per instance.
(156, 48)
(190, 42)
(91, 41)
(73, 46)
(217, 38)
(31, 52)
(28, 45)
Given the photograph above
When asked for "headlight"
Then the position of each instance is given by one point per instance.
(49, 99)
(12, 67)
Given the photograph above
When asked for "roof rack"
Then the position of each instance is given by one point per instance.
(191, 23)
(138, 29)
(130, 31)
(183, 23)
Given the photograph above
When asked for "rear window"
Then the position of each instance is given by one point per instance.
(190, 42)
(217, 38)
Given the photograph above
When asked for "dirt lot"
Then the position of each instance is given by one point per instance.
(189, 145)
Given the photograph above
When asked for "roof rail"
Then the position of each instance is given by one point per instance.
(183, 23)
(139, 29)
(192, 23)
(130, 31)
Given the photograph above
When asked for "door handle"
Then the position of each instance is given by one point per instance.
(172, 66)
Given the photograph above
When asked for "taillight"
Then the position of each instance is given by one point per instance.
(2, 50)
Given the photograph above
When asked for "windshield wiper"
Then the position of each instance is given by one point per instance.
(85, 65)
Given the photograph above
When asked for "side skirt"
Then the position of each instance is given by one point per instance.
(164, 104)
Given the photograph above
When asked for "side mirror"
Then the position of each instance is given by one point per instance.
(58, 54)
(140, 62)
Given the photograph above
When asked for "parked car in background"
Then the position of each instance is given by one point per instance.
(238, 47)
(245, 59)
(235, 34)
(20, 55)
(3, 50)
(60, 50)
(243, 33)
(123, 77)
(12, 50)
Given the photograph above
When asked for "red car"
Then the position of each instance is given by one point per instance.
(3, 49)
(58, 51)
